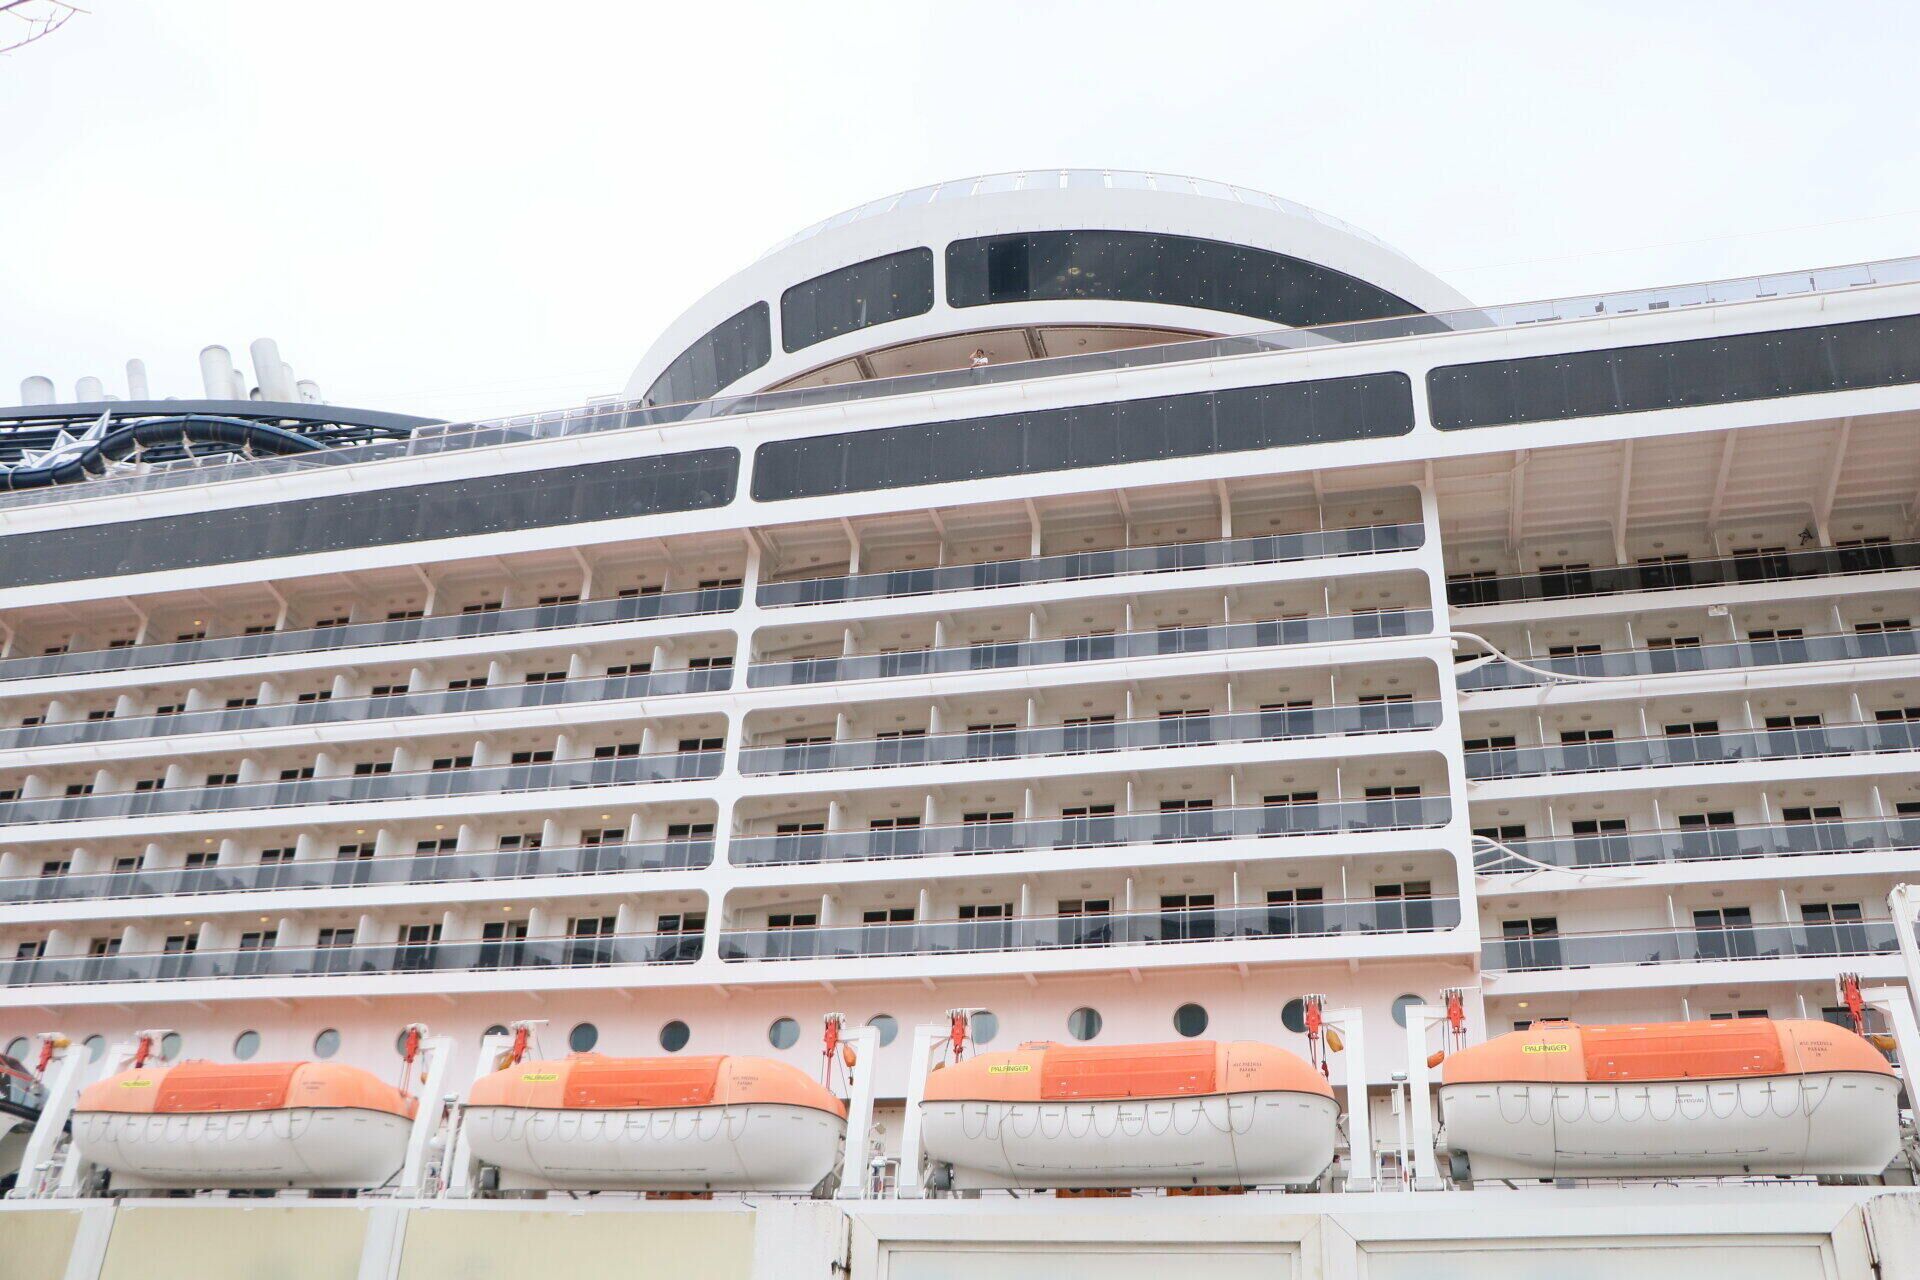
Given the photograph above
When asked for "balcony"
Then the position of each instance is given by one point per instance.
(1081, 566)
(1877, 737)
(1745, 654)
(1689, 946)
(554, 693)
(1117, 929)
(1706, 844)
(671, 766)
(454, 626)
(1680, 574)
(1089, 739)
(1127, 644)
(329, 873)
(1241, 823)
(362, 960)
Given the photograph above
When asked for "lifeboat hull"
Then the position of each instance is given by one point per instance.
(1240, 1140)
(739, 1147)
(1844, 1123)
(319, 1148)
(1704, 1099)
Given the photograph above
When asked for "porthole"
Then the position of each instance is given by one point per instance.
(96, 1047)
(245, 1045)
(1190, 1020)
(170, 1046)
(1084, 1024)
(326, 1044)
(674, 1036)
(984, 1025)
(1293, 1016)
(784, 1033)
(495, 1030)
(17, 1049)
(1404, 1003)
(887, 1025)
(583, 1037)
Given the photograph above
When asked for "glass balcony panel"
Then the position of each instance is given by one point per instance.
(1641, 848)
(1876, 737)
(1614, 580)
(1206, 924)
(1498, 674)
(452, 626)
(1685, 946)
(1332, 817)
(1132, 644)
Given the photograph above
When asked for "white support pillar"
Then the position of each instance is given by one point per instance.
(912, 1182)
(860, 1091)
(1359, 1108)
(438, 1053)
(63, 1090)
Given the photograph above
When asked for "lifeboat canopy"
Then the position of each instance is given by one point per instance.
(594, 1082)
(200, 1087)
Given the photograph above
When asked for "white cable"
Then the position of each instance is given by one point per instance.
(1517, 856)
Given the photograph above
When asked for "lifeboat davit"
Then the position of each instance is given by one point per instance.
(318, 1125)
(593, 1123)
(1191, 1113)
(1746, 1096)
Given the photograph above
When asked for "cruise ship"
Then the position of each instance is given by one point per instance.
(1084, 720)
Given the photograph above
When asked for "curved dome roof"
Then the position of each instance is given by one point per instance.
(1079, 179)
(1017, 266)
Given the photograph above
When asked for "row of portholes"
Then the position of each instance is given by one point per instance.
(1084, 1023)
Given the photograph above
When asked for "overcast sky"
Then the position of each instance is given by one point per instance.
(468, 208)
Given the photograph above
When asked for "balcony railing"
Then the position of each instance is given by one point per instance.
(1113, 929)
(1088, 739)
(1686, 946)
(1674, 575)
(1705, 844)
(671, 766)
(1097, 831)
(375, 958)
(1126, 644)
(281, 715)
(1730, 747)
(1277, 548)
(451, 626)
(330, 873)
(1856, 646)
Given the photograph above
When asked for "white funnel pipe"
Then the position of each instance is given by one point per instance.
(269, 371)
(216, 373)
(36, 390)
(137, 380)
(309, 391)
(89, 389)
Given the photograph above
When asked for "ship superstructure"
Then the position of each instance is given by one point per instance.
(1115, 605)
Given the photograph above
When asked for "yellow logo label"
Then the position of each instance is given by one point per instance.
(136, 1084)
(1545, 1048)
(1010, 1069)
(541, 1077)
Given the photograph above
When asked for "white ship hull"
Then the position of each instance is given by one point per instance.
(333, 1148)
(1245, 1139)
(756, 1147)
(1830, 1123)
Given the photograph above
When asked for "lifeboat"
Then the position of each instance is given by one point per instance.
(593, 1123)
(318, 1125)
(1748, 1096)
(1195, 1113)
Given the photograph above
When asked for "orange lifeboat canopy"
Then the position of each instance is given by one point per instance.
(593, 1082)
(1048, 1072)
(1567, 1053)
(192, 1088)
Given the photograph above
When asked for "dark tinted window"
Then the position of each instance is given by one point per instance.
(866, 293)
(413, 513)
(1096, 435)
(731, 349)
(1180, 271)
(1676, 375)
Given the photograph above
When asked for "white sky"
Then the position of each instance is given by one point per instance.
(468, 208)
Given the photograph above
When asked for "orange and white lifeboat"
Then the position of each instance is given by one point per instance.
(593, 1123)
(1703, 1098)
(1191, 1113)
(244, 1126)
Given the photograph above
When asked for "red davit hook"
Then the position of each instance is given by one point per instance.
(519, 1050)
(1856, 1003)
(141, 1051)
(957, 1034)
